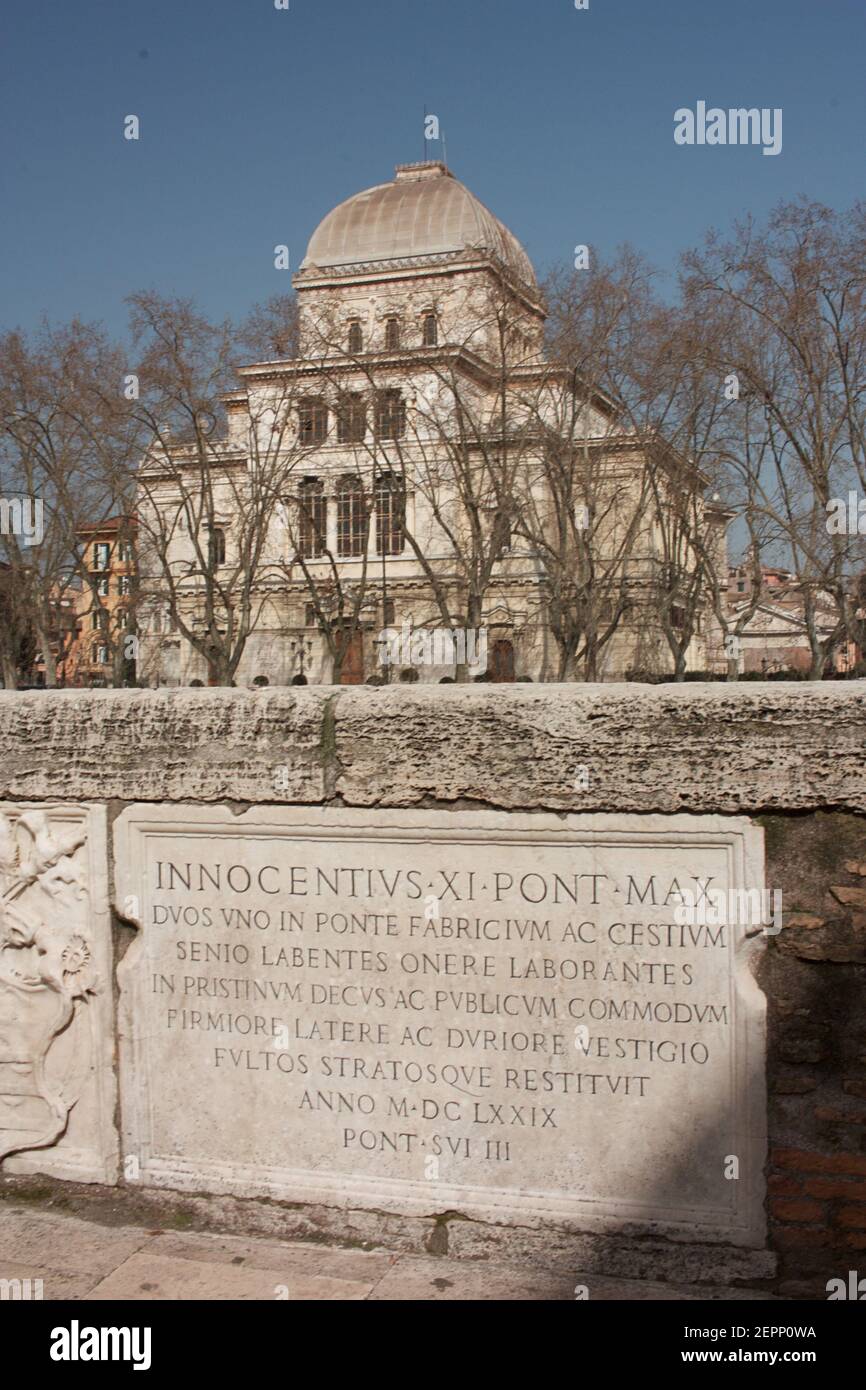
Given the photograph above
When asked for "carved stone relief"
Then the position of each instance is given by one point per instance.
(57, 1089)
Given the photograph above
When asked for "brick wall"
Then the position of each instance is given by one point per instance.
(814, 976)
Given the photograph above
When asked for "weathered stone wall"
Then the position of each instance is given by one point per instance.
(790, 758)
(727, 748)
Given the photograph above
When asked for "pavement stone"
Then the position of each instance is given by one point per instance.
(83, 1260)
(153, 1277)
(53, 1241)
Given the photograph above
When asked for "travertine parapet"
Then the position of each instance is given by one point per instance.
(575, 747)
(208, 745)
(608, 747)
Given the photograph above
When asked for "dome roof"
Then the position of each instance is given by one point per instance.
(425, 211)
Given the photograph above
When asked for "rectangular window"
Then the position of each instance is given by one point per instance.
(390, 415)
(312, 519)
(313, 420)
(352, 519)
(124, 584)
(102, 586)
(352, 419)
(501, 532)
(390, 514)
(101, 554)
(216, 547)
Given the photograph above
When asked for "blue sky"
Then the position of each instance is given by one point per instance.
(256, 121)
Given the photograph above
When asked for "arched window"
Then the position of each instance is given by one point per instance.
(261, 681)
(216, 546)
(430, 330)
(390, 514)
(352, 520)
(392, 334)
(312, 518)
(356, 337)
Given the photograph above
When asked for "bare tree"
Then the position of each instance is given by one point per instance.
(643, 357)
(586, 518)
(795, 343)
(213, 479)
(66, 445)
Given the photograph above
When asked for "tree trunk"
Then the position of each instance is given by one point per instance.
(818, 666)
(48, 660)
(591, 661)
(117, 665)
(9, 670)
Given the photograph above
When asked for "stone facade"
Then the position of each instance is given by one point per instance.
(404, 445)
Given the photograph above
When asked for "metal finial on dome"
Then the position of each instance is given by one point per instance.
(423, 169)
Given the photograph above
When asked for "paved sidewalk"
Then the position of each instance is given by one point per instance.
(78, 1259)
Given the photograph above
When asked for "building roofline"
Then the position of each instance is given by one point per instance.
(110, 525)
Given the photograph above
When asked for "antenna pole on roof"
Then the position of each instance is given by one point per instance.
(444, 151)
(424, 136)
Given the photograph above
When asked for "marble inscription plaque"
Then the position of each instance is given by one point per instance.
(509, 1015)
